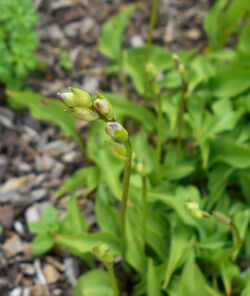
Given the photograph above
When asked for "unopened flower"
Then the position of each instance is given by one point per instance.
(103, 107)
(81, 97)
(85, 114)
(116, 131)
(67, 98)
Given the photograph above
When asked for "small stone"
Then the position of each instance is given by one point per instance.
(24, 167)
(16, 292)
(7, 215)
(18, 226)
(34, 213)
(38, 194)
(27, 269)
(70, 157)
(13, 246)
(193, 34)
(57, 170)
(136, 41)
(51, 274)
(44, 163)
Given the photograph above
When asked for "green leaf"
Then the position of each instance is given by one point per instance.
(44, 108)
(110, 41)
(153, 283)
(233, 153)
(180, 242)
(80, 244)
(86, 177)
(125, 108)
(231, 80)
(106, 212)
(134, 60)
(74, 222)
(42, 244)
(192, 281)
(94, 283)
(50, 215)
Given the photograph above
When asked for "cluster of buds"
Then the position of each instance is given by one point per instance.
(179, 65)
(195, 210)
(103, 253)
(86, 108)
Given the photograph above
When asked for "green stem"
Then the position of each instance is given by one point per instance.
(113, 281)
(145, 208)
(181, 114)
(152, 22)
(126, 178)
(159, 137)
(237, 242)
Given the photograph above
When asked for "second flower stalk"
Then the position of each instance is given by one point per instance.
(84, 107)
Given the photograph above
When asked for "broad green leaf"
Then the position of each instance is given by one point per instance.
(231, 80)
(47, 109)
(110, 41)
(39, 227)
(42, 243)
(153, 283)
(86, 177)
(125, 108)
(94, 283)
(106, 212)
(180, 243)
(81, 244)
(228, 151)
(134, 60)
(229, 272)
(50, 215)
(74, 222)
(192, 281)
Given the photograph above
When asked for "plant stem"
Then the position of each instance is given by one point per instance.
(113, 281)
(152, 22)
(159, 137)
(237, 242)
(181, 114)
(145, 208)
(126, 178)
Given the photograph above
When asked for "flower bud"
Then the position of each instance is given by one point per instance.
(176, 59)
(104, 108)
(67, 98)
(119, 150)
(222, 218)
(85, 113)
(195, 210)
(82, 98)
(116, 131)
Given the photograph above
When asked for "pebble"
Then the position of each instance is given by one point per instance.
(70, 270)
(57, 170)
(34, 212)
(18, 226)
(38, 194)
(44, 163)
(16, 292)
(136, 41)
(70, 157)
(27, 269)
(51, 274)
(13, 246)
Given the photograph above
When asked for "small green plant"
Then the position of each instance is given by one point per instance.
(176, 208)
(18, 41)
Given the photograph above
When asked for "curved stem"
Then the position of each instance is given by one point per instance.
(145, 208)
(181, 114)
(124, 201)
(113, 281)
(159, 137)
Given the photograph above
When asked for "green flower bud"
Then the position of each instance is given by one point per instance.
(195, 210)
(82, 98)
(222, 218)
(142, 169)
(119, 150)
(67, 98)
(104, 108)
(85, 114)
(116, 131)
